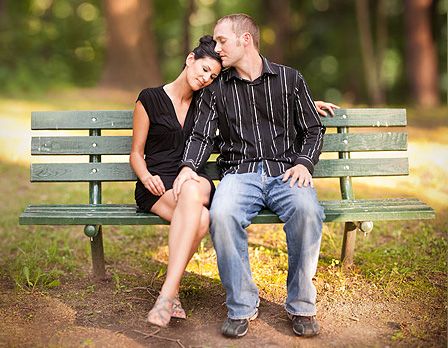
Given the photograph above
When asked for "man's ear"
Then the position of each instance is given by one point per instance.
(190, 59)
(247, 38)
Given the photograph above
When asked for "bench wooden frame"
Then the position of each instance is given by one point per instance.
(356, 214)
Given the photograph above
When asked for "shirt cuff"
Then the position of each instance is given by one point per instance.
(186, 164)
(306, 162)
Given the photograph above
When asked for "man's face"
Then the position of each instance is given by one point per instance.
(228, 44)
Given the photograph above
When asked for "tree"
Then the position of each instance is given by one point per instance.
(372, 58)
(190, 9)
(277, 13)
(421, 57)
(131, 59)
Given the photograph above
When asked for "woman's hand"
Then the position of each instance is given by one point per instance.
(154, 184)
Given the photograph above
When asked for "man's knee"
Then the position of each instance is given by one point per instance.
(220, 213)
(223, 211)
(305, 204)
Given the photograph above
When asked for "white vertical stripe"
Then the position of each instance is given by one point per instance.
(256, 125)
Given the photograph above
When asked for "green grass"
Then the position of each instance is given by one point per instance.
(404, 260)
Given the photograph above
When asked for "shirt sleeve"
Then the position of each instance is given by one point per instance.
(199, 145)
(309, 124)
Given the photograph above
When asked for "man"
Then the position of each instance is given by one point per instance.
(270, 138)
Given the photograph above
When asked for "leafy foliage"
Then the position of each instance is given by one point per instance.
(49, 43)
(45, 43)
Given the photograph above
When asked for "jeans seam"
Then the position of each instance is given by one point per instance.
(245, 317)
(302, 314)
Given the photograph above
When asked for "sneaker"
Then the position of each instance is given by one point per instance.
(304, 326)
(235, 328)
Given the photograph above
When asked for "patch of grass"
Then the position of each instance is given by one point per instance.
(402, 260)
(40, 260)
(427, 118)
(412, 264)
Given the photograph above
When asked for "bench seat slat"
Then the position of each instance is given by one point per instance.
(125, 214)
(360, 203)
(122, 119)
(327, 168)
(121, 145)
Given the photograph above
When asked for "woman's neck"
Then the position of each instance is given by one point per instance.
(179, 88)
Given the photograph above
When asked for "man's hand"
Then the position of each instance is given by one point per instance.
(154, 184)
(321, 106)
(185, 174)
(300, 174)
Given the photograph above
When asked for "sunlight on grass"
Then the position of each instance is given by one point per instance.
(404, 260)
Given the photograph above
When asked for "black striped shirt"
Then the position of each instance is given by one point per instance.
(272, 119)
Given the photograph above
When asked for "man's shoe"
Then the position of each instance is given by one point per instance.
(304, 326)
(235, 328)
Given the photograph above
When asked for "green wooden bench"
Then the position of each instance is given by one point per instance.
(356, 214)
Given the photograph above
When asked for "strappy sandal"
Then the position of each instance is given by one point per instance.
(162, 311)
(178, 311)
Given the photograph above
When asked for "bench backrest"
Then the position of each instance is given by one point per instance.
(374, 135)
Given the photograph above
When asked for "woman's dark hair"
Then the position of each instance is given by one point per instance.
(206, 48)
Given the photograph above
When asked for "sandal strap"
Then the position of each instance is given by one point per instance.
(161, 312)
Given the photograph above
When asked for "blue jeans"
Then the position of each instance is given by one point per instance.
(238, 199)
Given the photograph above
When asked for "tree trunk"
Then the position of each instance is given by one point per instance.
(278, 13)
(190, 8)
(381, 43)
(421, 57)
(370, 62)
(2, 7)
(131, 56)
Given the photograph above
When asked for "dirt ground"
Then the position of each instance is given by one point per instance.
(84, 313)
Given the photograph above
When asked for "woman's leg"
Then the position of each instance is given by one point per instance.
(185, 232)
(189, 222)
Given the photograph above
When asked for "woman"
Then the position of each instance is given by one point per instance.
(163, 119)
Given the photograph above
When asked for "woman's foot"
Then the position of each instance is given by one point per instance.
(178, 311)
(162, 311)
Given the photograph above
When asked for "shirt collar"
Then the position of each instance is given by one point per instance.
(268, 69)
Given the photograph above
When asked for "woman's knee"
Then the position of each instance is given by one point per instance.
(191, 191)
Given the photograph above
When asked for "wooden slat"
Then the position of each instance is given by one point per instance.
(125, 214)
(356, 142)
(66, 172)
(358, 203)
(121, 145)
(366, 118)
(96, 119)
(361, 167)
(78, 145)
(122, 119)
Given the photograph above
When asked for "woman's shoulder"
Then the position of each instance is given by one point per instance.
(149, 92)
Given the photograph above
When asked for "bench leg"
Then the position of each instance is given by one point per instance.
(96, 245)
(348, 244)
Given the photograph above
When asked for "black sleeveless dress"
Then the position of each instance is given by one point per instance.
(165, 143)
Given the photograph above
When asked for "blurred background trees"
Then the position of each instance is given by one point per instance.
(351, 52)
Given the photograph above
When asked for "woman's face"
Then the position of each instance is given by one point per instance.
(201, 72)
